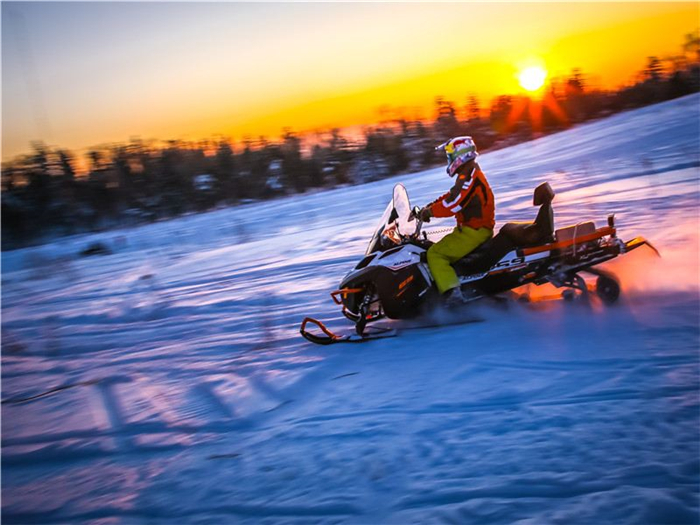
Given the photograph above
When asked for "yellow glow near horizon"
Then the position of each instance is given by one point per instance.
(313, 67)
(532, 78)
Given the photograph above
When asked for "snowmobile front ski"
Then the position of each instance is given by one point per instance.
(328, 337)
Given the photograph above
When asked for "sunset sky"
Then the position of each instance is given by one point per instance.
(81, 74)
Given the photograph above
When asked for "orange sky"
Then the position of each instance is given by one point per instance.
(81, 74)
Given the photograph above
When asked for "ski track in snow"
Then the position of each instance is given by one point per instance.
(167, 383)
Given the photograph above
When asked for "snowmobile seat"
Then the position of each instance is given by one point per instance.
(544, 194)
(541, 231)
(484, 256)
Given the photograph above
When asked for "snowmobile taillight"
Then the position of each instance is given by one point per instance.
(341, 294)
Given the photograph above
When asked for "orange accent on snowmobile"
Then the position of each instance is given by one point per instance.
(402, 286)
(599, 233)
(341, 294)
(404, 283)
(504, 270)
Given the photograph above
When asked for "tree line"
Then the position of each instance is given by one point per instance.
(139, 181)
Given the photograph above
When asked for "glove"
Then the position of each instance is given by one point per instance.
(425, 214)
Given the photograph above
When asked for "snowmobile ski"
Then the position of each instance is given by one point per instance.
(328, 337)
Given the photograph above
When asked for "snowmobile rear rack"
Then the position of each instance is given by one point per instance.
(598, 234)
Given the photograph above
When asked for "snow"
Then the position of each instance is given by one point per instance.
(167, 382)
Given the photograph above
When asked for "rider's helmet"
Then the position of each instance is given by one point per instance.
(459, 151)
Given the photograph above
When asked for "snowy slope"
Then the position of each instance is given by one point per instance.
(167, 383)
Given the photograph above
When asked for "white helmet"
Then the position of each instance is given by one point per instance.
(459, 151)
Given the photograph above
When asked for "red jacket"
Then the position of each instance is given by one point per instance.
(473, 207)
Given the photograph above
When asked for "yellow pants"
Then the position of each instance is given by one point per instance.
(450, 249)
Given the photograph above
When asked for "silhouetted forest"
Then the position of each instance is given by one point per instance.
(139, 182)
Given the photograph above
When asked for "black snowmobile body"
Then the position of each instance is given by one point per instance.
(393, 279)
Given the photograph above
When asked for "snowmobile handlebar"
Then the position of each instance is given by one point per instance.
(415, 215)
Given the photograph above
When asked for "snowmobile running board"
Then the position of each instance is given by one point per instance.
(327, 337)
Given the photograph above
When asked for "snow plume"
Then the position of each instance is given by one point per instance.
(675, 269)
(144, 299)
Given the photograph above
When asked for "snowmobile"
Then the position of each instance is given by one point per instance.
(393, 279)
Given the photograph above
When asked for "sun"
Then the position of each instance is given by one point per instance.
(532, 78)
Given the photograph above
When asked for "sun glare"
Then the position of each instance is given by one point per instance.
(532, 78)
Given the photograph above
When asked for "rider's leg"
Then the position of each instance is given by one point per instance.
(451, 249)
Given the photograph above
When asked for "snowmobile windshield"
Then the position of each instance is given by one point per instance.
(388, 216)
(394, 221)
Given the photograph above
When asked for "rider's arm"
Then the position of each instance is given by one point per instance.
(448, 204)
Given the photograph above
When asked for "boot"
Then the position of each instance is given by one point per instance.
(454, 297)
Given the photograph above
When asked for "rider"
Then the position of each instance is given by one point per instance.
(471, 201)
